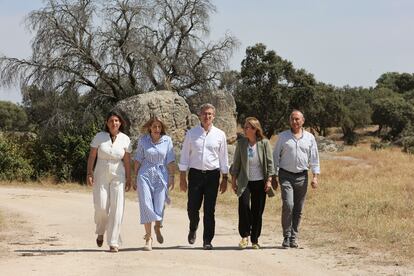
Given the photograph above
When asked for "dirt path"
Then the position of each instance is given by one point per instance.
(52, 233)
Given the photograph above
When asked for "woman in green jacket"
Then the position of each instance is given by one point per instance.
(252, 172)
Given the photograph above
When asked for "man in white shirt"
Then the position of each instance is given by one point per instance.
(295, 152)
(204, 155)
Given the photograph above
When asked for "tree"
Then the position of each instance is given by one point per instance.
(323, 108)
(391, 109)
(397, 82)
(229, 81)
(120, 48)
(268, 83)
(12, 117)
(356, 111)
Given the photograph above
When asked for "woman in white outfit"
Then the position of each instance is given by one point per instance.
(111, 150)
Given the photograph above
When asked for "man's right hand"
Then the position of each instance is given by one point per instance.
(183, 182)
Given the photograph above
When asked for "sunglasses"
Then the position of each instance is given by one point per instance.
(250, 152)
(248, 127)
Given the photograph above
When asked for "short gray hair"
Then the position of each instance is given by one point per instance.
(296, 111)
(207, 106)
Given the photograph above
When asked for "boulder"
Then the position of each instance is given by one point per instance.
(327, 145)
(166, 105)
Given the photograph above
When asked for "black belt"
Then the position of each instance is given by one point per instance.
(298, 173)
(204, 171)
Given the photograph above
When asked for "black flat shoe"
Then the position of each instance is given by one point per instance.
(99, 240)
(191, 237)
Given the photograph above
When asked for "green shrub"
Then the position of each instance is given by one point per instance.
(13, 164)
(380, 145)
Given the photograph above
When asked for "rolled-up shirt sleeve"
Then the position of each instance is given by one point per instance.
(223, 156)
(314, 157)
(276, 155)
(185, 154)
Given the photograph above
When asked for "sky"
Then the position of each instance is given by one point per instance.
(340, 42)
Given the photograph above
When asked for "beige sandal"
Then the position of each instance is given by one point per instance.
(148, 242)
(113, 249)
(157, 230)
(244, 243)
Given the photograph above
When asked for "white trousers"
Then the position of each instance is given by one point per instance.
(108, 198)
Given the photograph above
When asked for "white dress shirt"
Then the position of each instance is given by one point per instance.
(296, 155)
(204, 150)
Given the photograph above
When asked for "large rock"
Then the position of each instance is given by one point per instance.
(166, 105)
(225, 110)
(327, 145)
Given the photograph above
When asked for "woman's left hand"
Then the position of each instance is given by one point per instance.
(171, 183)
(267, 186)
(128, 185)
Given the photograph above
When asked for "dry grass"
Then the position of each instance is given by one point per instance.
(364, 205)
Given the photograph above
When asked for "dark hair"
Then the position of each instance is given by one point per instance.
(121, 119)
(147, 126)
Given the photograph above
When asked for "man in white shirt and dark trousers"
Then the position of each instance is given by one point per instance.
(204, 155)
(295, 152)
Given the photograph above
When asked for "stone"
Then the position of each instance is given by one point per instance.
(327, 145)
(170, 107)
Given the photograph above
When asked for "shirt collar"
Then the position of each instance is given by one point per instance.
(202, 128)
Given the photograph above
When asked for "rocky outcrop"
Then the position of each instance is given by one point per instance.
(177, 115)
(327, 145)
(166, 105)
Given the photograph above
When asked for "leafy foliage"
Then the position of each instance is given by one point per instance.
(12, 117)
(14, 165)
(268, 84)
(355, 112)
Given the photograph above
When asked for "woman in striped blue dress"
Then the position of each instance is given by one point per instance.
(154, 167)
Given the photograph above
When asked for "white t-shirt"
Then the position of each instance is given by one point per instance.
(255, 168)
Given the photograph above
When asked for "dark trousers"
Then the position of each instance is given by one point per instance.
(203, 185)
(293, 188)
(251, 206)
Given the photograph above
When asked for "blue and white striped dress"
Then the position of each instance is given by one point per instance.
(152, 178)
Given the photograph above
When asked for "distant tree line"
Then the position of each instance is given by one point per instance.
(269, 87)
(80, 69)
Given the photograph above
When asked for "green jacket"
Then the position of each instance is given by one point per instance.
(240, 167)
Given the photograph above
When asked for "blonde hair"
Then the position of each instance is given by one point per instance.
(254, 122)
(147, 126)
